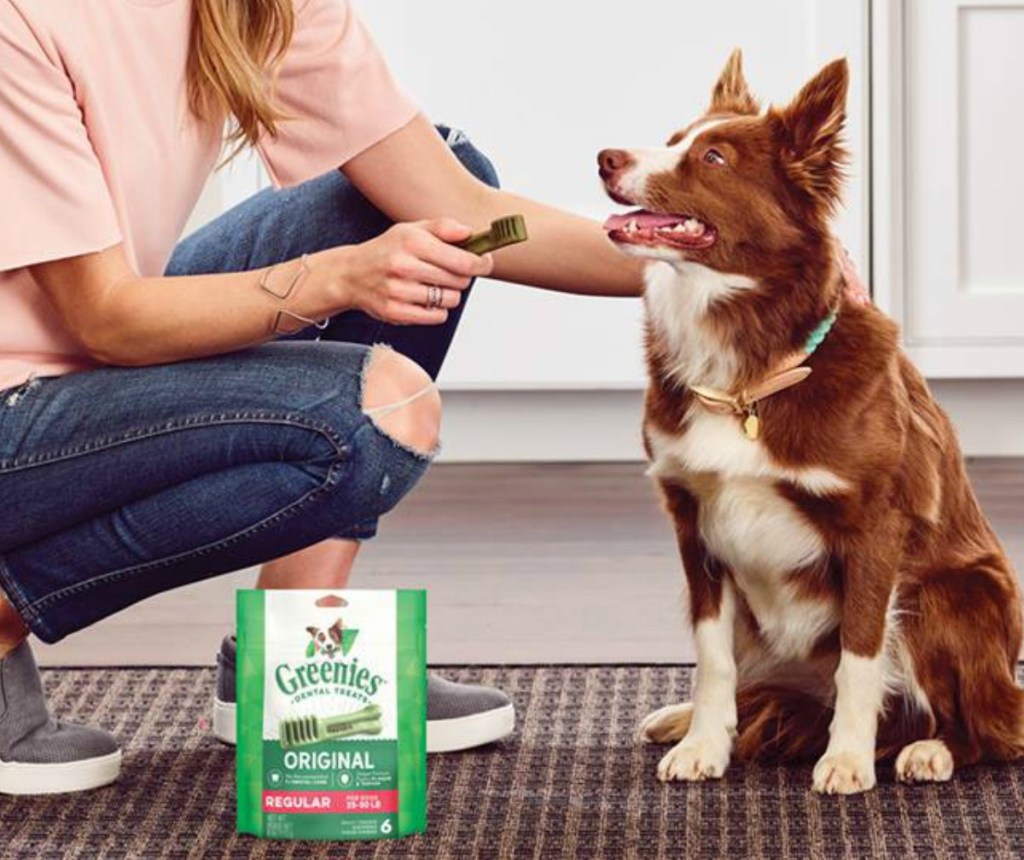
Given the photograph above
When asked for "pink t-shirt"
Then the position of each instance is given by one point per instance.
(98, 146)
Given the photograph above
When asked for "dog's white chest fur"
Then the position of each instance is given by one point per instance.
(744, 521)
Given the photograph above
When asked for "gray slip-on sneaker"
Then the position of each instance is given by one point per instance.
(459, 716)
(226, 696)
(464, 716)
(38, 754)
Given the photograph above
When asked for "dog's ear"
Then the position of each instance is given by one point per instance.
(731, 93)
(312, 631)
(811, 126)
(335, 631)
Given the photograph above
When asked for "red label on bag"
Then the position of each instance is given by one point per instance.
(298, 802)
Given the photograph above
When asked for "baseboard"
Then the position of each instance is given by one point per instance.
(604, 426)
(988, 414)
(541, 426)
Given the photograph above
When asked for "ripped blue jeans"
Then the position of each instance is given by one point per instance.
(120, 483)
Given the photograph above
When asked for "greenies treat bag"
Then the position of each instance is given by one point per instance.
(332, 714)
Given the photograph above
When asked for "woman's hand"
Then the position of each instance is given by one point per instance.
(394, 277)
(854, 287)
(412, 174)
(122, 318)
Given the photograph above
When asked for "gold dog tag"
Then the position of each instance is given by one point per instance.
(752, 426)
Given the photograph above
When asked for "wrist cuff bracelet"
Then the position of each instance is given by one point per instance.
(283, 292)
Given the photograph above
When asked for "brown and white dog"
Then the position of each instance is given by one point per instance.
(850, 601)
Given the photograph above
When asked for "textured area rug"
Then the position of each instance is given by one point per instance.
(572, 782)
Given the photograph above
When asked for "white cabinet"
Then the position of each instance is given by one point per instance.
(949, 119)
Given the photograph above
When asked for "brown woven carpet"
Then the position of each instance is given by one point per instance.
(570, 783)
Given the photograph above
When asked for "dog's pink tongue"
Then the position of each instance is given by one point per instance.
(619, 222)
(644, 220)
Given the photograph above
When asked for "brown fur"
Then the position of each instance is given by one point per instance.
(909, 529)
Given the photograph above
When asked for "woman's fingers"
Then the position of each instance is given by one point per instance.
(432, 246)
(854, 287)
(416, 293)
(414, 269)
(447, 229)
(404, 313)
(413, 274)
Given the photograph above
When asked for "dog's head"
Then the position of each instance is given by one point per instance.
(738, 191)
(326, 642)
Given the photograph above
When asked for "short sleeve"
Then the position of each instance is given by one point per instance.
(337, 91)
(53, 195)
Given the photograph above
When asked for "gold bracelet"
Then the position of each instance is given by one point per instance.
(305, 321)
(288, 290)
(285, 293)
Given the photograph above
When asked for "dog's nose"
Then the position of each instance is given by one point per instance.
(612, 161)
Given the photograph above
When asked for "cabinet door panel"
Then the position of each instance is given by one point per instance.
(964, 288)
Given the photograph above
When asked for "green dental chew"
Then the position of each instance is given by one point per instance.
(509, 230)
(303, 731)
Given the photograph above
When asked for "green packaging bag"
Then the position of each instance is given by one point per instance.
(332, 714)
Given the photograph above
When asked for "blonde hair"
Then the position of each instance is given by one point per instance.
(234, 53)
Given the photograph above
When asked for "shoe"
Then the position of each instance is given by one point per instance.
(459, 716)
(464, 716)
(38, 754)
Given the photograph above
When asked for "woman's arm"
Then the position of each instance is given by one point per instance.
(412, 174)
(122, 318)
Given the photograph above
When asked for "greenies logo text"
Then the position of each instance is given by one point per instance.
(326, 671)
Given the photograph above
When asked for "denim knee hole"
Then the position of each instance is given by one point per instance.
(400, 400)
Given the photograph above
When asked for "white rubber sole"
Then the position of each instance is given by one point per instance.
(462, 733)
(224, 721)
(90, 773)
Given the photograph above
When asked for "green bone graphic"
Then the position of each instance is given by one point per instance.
(505, 231)
(303, 731)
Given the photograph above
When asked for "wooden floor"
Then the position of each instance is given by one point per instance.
(524, 564)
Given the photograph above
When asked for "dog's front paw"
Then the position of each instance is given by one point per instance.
(695, 759)
(844, 773)
(670, 723)
(924, 761)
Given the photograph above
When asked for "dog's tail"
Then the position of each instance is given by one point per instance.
(778, 723)
(783, 724)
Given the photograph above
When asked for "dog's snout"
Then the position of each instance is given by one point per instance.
(612, 161)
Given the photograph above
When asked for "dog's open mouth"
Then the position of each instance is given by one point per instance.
(650, 228)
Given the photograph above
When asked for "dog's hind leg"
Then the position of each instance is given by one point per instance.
(925, 761)
(667, 724)
(963, 630)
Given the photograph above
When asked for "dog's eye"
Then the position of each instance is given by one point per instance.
(713, 156)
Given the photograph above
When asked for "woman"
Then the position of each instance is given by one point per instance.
(155, 427)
